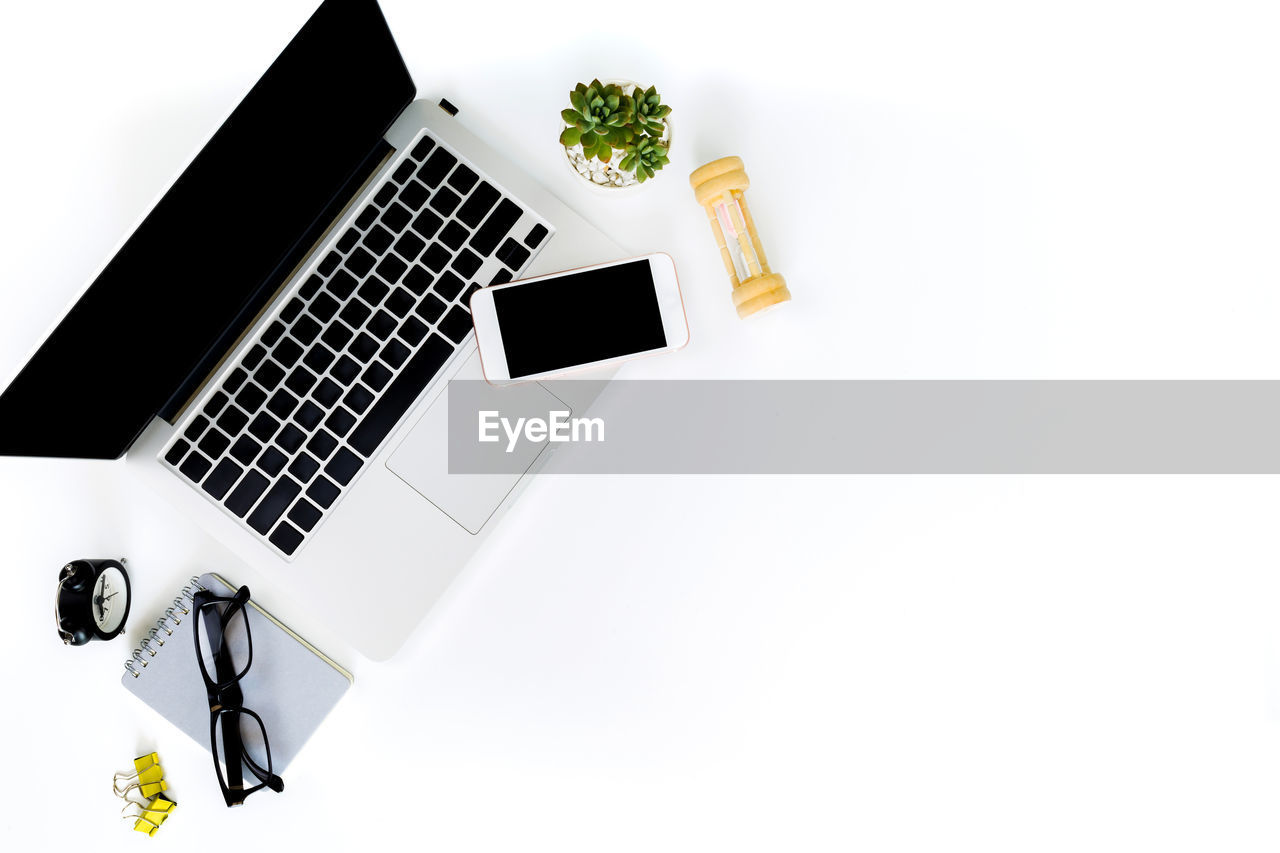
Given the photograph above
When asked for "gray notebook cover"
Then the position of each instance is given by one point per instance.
(290, 684)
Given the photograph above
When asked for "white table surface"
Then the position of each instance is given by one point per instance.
(982, 190)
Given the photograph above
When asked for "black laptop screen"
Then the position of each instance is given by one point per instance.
(214, 249)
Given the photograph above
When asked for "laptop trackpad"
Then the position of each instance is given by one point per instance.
(422, 459)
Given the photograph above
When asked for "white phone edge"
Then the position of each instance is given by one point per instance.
(666, 285)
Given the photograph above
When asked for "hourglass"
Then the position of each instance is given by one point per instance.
(718, 186)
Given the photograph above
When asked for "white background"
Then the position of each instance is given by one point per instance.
(982, 190)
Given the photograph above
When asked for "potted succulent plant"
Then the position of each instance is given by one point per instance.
(617, 134)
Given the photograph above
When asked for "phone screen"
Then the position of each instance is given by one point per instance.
(579, 318)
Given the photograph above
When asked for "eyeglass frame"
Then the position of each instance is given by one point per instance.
(226, 699)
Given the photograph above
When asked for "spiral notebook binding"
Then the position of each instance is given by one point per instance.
(164, 628)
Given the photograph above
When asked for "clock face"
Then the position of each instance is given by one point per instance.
(110, 601)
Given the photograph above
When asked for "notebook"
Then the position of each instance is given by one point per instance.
(291, 684)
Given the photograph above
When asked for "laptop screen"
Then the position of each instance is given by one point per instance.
(215, 248)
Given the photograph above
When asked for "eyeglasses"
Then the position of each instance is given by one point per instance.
(237, 735)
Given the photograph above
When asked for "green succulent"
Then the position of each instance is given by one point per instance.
(645, 155)
(600, 119)
(649, 110)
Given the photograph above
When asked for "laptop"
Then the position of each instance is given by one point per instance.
(269, 347)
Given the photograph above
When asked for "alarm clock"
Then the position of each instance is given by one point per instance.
(92, 601)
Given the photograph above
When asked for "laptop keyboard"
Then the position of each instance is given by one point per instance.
(347, 352)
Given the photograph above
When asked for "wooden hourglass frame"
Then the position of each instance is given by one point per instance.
(718, 186)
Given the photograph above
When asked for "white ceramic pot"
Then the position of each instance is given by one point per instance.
(630, 184)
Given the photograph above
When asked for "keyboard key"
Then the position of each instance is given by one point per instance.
(345, 370)
(305, 330)
(304, 514)
(454, 235)
(363, 348)
(290, 439)
(245, 450)
(323, 308)
(400, 302)
(535, 236)
(318, 358)
(263, 427)
(417, 280)
(337, 336)
(343, 466)
(385, 193)
(502, 277)
(273, 504)
(378, 239)
(382, 325)
(282, 404)
(246, 494)
(359, 262)
(430, 308)
(195, 466)
(300, 381)
(394, 354)
(237, 377)
(358, 399)
(465, 301)
(312, 286)
(403, 172)
(272, 461)
(399, 396)
(342, 284)
(457, 324)
(396, 217)
(286, 537)
(357, 312)
(273, 333)
(468, 263)
(372, 291)
(213, 444)
(304, 468)
(445, 201)
(216, 404)
(330, 263)
(449, 286)
(422, 149)
(478, 204)
(513, 254)
(409, 246)
(413, 331)
(427, 224)
(436, 257)
(292, 310)
(323, 492)
(269, 375)
(345, 244)
(462, 179)
(414, 195)
(341, 421)
(287, 352)
(308, 416)
(376, 376)
(196, 428)
(251, 398)
(224, 476)
(322, 444)
(436, 167)
(252, 359)
(176, 452)
(392, 267)
(496, 227)
(366, 217)
(328, 391)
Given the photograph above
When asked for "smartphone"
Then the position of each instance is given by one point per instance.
(588, 317)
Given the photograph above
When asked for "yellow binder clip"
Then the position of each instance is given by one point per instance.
(151, 815)
(147, 778)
